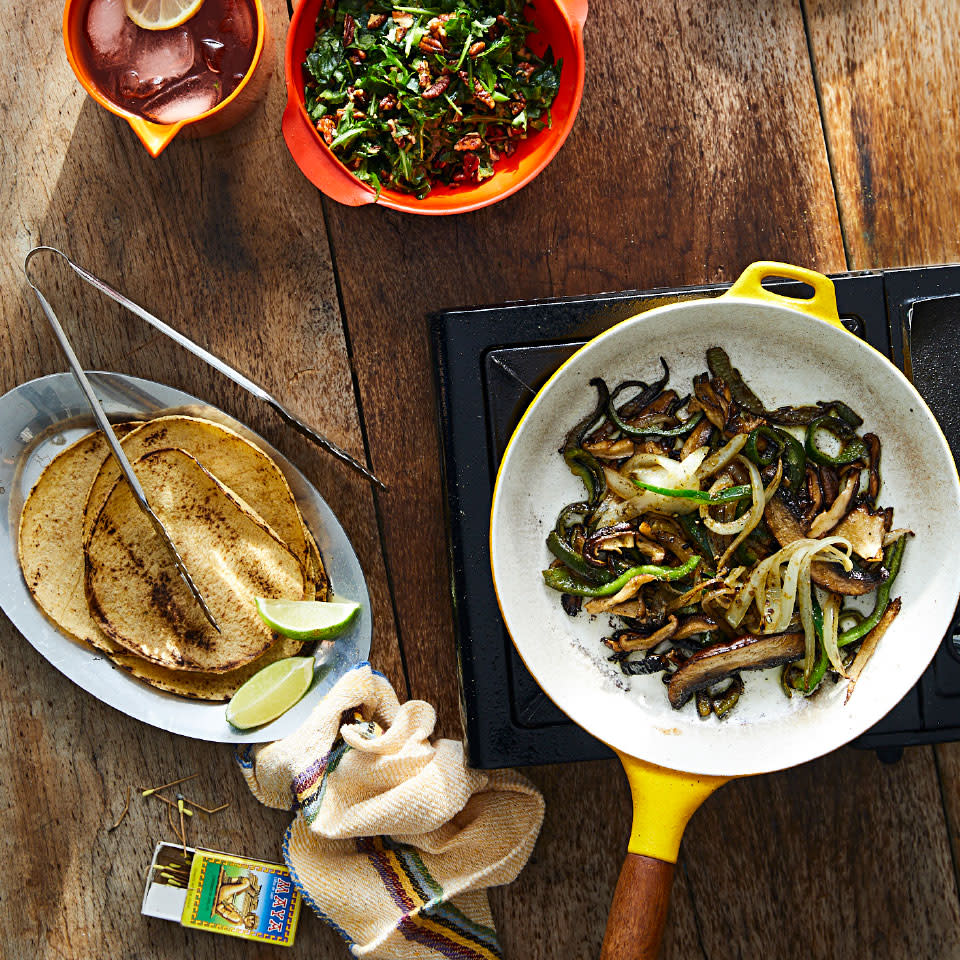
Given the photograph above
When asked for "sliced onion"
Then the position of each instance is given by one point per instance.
(831, 626)
(659, 471)
(754, 515)
(640, 461)
(717, 526)
(717, 461)
(755, 589)
(619, 484)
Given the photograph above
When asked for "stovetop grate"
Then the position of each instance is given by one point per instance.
(490, 363)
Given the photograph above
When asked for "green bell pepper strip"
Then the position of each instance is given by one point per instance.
(563, 551)
(823, 661)
(785, 446)
(891, 561)
(697, 533)
(720, 366)
(853, 448)
(680, 430)
(585, 466)
(775, 445)
(844, 412)
(701, 496)
(561, 580)
(571, 515)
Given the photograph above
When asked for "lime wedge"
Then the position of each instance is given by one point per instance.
(307, 619)
(270, 693)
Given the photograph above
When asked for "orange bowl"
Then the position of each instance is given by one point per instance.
(559, 25)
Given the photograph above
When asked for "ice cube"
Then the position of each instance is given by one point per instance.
(132, 87)
(163, 55)
(184, 100)
(212, 51)
(238, 20)
(109, 32)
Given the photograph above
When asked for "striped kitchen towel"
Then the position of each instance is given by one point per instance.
(395, 838)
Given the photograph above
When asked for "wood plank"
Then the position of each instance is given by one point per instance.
(889, 76)
(195, 237)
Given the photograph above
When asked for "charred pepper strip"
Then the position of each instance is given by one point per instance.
(680, 430)
(727, 700)
(561, 580)
(563, 551)
(701, 496)
(853, 447)
(648, 393)
(720, 366)
(781, 444)
(616, 416)
(697, 532)
(585, 466)
(892, 559)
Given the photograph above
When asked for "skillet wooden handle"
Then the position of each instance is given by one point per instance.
(639, 910)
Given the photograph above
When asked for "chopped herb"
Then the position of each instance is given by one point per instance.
(409, 96)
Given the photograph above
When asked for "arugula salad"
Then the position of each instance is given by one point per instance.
(410, 96)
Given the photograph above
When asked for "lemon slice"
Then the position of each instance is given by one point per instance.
(270, 693)
(161, 14)
(307, 619)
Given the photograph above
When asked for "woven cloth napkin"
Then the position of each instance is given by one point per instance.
(395, 839)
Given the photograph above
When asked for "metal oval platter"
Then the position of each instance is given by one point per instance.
(39, 419)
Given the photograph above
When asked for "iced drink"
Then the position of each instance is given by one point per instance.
(169, 75)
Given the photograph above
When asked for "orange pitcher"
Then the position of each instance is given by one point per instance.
(156, 135)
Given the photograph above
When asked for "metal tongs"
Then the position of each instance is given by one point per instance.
(104, 424)
(219, 365)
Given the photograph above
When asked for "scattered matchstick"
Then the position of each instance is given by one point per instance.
(183, 828)
(201, 807)
(172, 783)
(126, 807)
(171, 803)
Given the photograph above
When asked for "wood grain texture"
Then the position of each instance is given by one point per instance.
(198, 237)
(889, 76)
(690, 157)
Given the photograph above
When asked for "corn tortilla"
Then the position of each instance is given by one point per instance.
(235, 462)
(50, 537)
(134, 589)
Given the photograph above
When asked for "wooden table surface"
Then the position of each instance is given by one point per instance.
(822, 132)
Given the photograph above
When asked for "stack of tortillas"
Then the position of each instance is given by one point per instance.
(97, 568)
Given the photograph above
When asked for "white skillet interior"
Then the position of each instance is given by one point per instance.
(787, 358)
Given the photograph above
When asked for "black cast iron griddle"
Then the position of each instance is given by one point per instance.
(491, 361)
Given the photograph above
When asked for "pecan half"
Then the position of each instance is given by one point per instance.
(423, 72)
(431, 45)
(517, 102)
(404, 20)
(376, 21)
(327, 128)
(349, 29)
(481, 94)
(471, 141)
(476, 49)
(527, 69)
(389, 102)
(436, 88)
